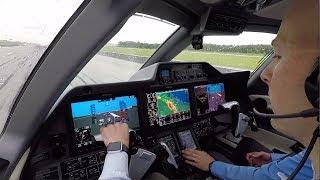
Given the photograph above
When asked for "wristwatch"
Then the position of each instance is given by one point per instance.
(117, 147)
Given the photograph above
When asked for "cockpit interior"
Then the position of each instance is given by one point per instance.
(183, 105)
(169, 106)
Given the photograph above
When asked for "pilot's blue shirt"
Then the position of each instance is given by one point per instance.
(280, 167)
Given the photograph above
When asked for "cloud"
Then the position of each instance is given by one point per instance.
(38, 21)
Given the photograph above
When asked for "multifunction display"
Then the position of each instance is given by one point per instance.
(87, 115)
(168, 107)
(209, 97)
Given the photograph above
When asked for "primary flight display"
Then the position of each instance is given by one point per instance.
(87, 115)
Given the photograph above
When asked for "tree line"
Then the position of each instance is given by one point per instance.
(256, 49)
(5, 43)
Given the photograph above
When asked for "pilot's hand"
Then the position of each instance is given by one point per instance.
(198, 159)
(118, 132)
(258, 158)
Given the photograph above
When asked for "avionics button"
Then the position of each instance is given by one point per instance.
(83, 173)
(93, 171)
(88, 160)
(101, 156)
(50, 173)
(91, 160)
(76, 175)
(68, 166)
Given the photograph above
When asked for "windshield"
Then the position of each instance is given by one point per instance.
(231, 53)
(26, 29)
(126, 52)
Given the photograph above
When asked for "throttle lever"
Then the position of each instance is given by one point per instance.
(171, 160)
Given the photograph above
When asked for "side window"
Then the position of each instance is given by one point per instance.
(126, 52)
(230, 53)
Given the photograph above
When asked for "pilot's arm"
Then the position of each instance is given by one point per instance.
(277, 156)
(260, 158)
(278, 168)
(116, 163)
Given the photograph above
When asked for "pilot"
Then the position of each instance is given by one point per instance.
(296, 51)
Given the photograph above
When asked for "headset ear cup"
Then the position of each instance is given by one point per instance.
(312, 92)
(311, 85)
(316, 103)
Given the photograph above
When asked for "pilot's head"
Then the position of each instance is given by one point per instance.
(296, 51)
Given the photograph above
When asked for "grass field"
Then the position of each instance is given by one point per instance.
(242, 61)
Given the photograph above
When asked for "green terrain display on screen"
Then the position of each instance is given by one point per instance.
(171, 102)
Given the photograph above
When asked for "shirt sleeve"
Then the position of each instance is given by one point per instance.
(276, 156)
(273, 170)
(233, 172)
(115, 167)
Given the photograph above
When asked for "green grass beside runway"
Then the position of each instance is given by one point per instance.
(242, 61)
(130, 51)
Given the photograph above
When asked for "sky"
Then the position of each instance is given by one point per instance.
(38, 21)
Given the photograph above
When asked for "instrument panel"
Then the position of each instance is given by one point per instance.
(171, 103)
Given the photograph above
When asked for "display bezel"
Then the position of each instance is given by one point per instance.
(96, 145)
(159, 90)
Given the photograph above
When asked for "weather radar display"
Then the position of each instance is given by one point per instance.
(168, 107)
(172, 102)
(88, 114)
(209, 97)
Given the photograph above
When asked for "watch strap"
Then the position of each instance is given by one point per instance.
(123, 147)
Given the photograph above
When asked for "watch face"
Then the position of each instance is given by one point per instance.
(115, 146)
